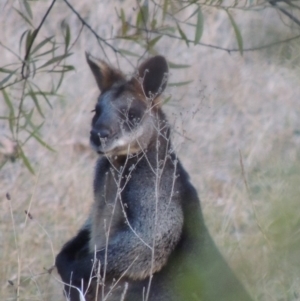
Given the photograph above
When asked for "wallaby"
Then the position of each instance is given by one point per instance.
(145, 238)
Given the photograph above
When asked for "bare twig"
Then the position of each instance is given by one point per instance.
(34, 35)
(274, 3)
(229, 50)
(100, 39)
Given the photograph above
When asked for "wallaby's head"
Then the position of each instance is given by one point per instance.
(125, 117)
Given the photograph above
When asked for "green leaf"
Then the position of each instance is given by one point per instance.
(167, 29)
(28, 117)
(39, 140)
(192, 15)
(47, 52)
(4, 70)
(11, 110)
(166, 100)
(24, 17)
(153, 42)
(178, 84)
(35, 128)
(182, 34)
(64, 68)
(41, 44)
(21, 39)
(199, 27)
(6, 79)
(8, 102)
(28, 8)
(67, 36)
(134, 38)
(25, 160)
(127, 52)
(31, 93)
(28, 39)
(177, 66)
(165, 9)
(237, 32)
(124, 23)
(55, 59)
(44, 94)
(59, 82)
(143, 15)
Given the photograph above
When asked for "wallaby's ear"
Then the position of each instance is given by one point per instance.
(154, 73)
(105, 75)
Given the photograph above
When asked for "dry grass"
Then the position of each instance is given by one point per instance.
(236, 105)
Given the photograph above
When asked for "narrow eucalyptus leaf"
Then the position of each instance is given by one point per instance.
(21, 39)
(153, 42)
(24, 17)
(34, 128)
(178, 84)
(41, 44)
(124, 23)
(4, 70)
(68, 36)
(165, 8)
(145, 12)
(31, 93)
(59, 82)
(28, 40)
(166, 100)
(42, 142)
(44, 94)
(64, 68)
(193, 14)
(182, 34)
(11, 119)
(26, 161)
(237, 32)
(199, 27)
(28, 117)
(127, 52)
(8, 102)
(6, 79)
(177, 66)
(55, 60)
(28, 8)
(47, 52)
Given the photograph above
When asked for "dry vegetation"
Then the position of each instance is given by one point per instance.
(237, 129)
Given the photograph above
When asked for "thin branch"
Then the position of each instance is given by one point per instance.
(89, 26)
(95, 33)
(34, 35)
(229, 50)
(83, 22)
(285, 12)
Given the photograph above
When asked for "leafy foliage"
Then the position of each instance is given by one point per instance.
(144, 27)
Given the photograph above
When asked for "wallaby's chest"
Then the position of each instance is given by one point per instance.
(107, 210)
(121, 195)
